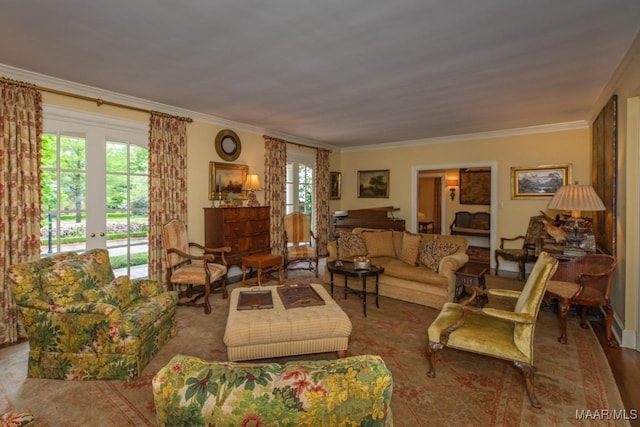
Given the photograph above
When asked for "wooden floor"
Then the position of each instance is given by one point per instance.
(625, 365)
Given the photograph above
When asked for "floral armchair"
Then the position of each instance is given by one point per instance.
(82, 323)
(354, 391)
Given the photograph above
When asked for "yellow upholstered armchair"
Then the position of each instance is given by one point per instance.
(493, 332)
(299, 243)
(210, 267)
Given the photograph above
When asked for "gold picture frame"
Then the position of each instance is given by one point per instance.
(335, 185)
(538, 182)
(373, 184)
(225, 179)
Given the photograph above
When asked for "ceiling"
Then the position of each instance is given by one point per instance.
(340, 72)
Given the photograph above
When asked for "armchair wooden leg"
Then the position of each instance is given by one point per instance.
(432, 347)
(497, 257)
(528, 372)
(207, 304)
(563, 308)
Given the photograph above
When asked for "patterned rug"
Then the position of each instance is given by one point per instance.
(469, 390)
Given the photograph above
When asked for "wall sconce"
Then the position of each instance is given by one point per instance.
(452, 183)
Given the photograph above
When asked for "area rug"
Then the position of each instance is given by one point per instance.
(573, 380)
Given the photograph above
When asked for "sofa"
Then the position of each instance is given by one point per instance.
(471, 224)
(82, 323)
(418, 267)
(353, 391)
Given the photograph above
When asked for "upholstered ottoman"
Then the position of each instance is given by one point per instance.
(278, 331)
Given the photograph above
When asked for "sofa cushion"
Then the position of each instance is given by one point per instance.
(433, 252)
(379, 243)
(410, 248)
(120, 293)
(65, 281)
(351, 245)
(421, 274)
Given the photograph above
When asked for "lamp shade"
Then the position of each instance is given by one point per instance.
(576, 198)
(252, 183)
(452, 182)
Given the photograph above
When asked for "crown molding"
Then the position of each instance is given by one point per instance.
(530, 130)
(94, 92)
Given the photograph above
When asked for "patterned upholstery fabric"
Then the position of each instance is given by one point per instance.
(354, 391)
(351, 245)
(300, 243)
(433, 252)
(14, 419)
(113, 338)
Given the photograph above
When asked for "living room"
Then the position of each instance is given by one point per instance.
(500, 150)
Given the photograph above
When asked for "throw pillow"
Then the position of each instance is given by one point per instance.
(433, 252)
(120, 293)
(351, 245)
(410, 248)
(64, 282)
(379, 243)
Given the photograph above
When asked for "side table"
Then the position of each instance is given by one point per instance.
(347, 270)
(471, 275)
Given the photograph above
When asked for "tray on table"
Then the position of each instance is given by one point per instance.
(255, 300)
(294, 296)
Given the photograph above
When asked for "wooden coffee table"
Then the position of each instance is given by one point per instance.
(347, 270)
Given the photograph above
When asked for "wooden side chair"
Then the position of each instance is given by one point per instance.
(494, 332)
(299, 243)
(525, 252)
(184, 273)
(586, 282)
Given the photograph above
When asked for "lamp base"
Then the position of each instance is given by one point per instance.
(252, 200)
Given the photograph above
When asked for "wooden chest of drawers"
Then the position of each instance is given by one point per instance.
(245, 230)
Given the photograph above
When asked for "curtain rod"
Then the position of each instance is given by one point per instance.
(292, 143)
(99, 102)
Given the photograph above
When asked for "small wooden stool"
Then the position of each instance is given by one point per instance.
(265, 263)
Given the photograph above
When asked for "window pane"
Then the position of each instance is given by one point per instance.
(117, 192)
(72, 153)
(117, 160)
(73, 189)
(49, 151)
(139, 160)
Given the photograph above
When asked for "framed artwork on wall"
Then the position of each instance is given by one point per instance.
(475, 186)
(538, 182)
(335, 182)
(225, 179)
(604, 179)
(373, 183)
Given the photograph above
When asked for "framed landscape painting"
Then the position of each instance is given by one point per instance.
(373, 184)
(226, 178)
(538, 181)
(335, 185)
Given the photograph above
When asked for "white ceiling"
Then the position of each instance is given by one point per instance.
(340, 72)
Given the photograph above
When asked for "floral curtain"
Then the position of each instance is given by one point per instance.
(275, 175)
(322, 184)
(167, 184)
(20, 135)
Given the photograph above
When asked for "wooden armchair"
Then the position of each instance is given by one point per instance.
(525, 252)
(299, 243)
(493, 332)
(183, 272)
(585, 281)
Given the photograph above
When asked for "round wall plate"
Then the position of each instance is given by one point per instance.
(228, 145)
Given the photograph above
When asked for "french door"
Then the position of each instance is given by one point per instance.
(95, 187)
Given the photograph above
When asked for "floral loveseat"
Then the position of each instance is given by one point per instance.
(418, 268)
(83, 324)
(353, 391)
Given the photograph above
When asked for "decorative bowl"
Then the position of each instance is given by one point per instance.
(361, 265)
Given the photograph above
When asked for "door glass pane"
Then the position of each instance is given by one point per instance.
(64, 189)
(127, 208)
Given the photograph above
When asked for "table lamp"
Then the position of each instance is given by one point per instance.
(576, 198)
(252, 184)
